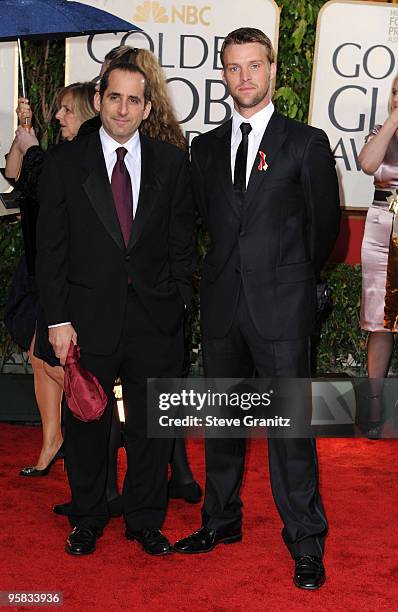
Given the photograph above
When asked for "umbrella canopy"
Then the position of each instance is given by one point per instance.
(30, 19)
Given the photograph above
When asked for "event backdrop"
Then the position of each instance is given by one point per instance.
(186, 37)
(354, 64)
(355, 60)
(8, 102)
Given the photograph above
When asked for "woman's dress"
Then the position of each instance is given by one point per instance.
(376, 240)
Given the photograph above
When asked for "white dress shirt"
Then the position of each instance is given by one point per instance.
(259, 122)
(133, 164)
(132, 160)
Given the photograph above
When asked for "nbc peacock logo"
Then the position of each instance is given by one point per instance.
(190, 14)
(148, 9)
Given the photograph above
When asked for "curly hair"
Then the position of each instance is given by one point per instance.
(161, 123)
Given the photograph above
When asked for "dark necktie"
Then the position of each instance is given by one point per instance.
(241, 158)
(123, 194)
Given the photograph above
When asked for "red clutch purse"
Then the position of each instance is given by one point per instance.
(84, 394)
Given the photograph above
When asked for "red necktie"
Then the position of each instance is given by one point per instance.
(123, 194)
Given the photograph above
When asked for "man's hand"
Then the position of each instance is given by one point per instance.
(60, 339)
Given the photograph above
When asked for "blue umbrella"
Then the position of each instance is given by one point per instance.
(38, 19)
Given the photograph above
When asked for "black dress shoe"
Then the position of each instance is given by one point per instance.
(33, 472)
(191, 492)
(204, 540)
(309, 573)
(82, 540)
(63, 509)
(153, 541)
(115, 508)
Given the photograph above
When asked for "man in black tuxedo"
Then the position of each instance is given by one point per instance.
(268, 194)
(115, 257)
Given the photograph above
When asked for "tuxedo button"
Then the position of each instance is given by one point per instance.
(241, 234)
(237, 270)
(127, 258)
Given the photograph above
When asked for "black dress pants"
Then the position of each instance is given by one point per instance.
(292, 462)
(143, 352)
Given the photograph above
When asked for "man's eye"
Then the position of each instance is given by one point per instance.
(255, 66)
(234, 69)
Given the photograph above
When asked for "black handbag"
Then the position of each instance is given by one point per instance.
(323, 299)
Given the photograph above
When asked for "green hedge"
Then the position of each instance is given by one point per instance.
(342, 344)
(295, 56)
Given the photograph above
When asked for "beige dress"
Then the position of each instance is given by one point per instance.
(376, 242)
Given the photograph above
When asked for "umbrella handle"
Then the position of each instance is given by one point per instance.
(21, 67)
(26, 123)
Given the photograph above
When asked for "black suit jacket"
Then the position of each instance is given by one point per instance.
(83, 266)
(276, 242)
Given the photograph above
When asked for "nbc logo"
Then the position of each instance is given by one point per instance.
(188, 13)
(146, 9)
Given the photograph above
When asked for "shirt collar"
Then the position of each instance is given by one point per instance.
(109, 145)
(259, 121)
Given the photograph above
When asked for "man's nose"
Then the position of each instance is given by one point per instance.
(123, 107)
(245, 74)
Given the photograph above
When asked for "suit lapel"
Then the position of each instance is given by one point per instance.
(223, 163)
(273, 138)
(148, 187)
(98, 189)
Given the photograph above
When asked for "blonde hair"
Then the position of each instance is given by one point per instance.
(161, 123)
(391, 97)
(83, 99)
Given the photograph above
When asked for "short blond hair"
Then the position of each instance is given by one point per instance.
(83, 99)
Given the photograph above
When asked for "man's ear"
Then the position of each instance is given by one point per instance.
(97, 101)
(273, 70)
(147, 110)
(223, 76)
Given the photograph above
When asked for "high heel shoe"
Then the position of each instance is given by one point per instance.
(33, 472)
(374, 426)
(374, 430)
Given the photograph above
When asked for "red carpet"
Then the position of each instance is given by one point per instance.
(359, 481)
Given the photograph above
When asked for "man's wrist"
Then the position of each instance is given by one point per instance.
(59, 324)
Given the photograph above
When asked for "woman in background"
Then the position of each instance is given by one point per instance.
(23, 166)
(379, 158)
